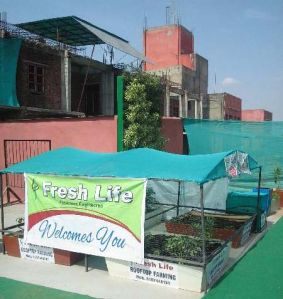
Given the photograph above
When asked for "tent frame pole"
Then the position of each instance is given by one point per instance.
(178, 199)
(203, 234)
(2, 212)
(258, 209)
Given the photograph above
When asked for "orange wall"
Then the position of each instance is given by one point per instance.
(168, 46)
(97, 134)
(256, 115)
(172, 130)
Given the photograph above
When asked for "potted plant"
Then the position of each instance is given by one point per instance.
(277, 194)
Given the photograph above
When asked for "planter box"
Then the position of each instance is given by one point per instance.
(169, 274)
(67, 258)
(239, 229)
(11, 244)
(275, 205)
(61, 257)
(280, 195)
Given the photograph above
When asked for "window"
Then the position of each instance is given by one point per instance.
(36, 78)
(174, 106)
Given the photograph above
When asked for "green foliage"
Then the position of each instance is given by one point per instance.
(277, 172)
(195, 223)
(143, 95)
(150, 200)
(182, 246)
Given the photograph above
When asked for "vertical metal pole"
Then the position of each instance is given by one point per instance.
(85, 79)
(2, 213)
(258, 209)
(86, 263)
(178, 199)
(203, 233)
(120, 112)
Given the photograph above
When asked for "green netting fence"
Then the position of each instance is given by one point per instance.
(262, 140)
(9, 53)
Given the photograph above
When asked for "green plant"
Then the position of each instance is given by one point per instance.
(142, 127)
(150, 200)
(181, 246)
(195, 223)
(277, 172)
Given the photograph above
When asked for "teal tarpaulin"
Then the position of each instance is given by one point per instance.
(135, 163)
(9, 53)
(262, 140)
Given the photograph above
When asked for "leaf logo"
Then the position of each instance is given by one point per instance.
(34, 187)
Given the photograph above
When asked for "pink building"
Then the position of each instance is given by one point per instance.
(256, 115)
(168, 46)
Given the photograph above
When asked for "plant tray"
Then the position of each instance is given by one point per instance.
(225, 226)
(180, 247)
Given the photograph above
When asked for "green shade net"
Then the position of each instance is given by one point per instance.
(262, 140)
(9, 53)
(135, 163)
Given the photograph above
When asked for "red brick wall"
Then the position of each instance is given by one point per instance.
(233, 107)
(51, 98)
(168, 46)
(172, 130)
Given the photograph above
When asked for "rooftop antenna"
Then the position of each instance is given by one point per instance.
(171, 14)
(145, 23)
(167, 15)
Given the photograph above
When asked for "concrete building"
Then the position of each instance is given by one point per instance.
(51, 95)
(47, 70)
(224, 106)
(170, 48)
(256, 115)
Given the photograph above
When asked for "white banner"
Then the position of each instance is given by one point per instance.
(157, 272)
(96, 216)
(36, 253)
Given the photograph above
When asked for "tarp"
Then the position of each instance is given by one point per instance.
(74, 31)
(262, 140)
(135, 163)
(9, 53)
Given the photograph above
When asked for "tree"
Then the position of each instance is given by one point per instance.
(143, 94)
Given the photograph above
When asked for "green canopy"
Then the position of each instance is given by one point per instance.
(9, 54)
(135, 163)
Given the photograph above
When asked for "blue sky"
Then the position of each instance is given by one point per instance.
(242, 39)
